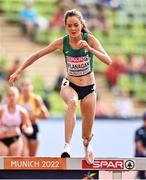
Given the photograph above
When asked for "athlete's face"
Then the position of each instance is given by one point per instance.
(26, 88)
(73, 26)
(12, 97)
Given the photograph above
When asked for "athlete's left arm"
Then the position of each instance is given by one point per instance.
(95, 47)
(26, 123)
(43, 112)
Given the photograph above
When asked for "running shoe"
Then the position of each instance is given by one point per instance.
(89, 155)
(66, 151)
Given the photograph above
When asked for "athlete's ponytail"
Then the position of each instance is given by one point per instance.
(74, 12)
(84, 28)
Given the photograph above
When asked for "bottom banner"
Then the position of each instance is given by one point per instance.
(49, 174)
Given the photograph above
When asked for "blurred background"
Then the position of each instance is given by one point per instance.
(27, 26)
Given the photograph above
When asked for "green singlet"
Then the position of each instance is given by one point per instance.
(79, 62)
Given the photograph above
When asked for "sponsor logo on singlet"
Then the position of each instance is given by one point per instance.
(78, 66)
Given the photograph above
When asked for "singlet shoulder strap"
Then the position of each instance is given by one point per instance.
(85, 36)
(33, 102)
(65, 43)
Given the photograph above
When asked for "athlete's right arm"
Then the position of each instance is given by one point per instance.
(1, 112)
(57, 44)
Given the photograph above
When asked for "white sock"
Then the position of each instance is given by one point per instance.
(67, 144)
(67, 147)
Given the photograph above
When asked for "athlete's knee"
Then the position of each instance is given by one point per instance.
(72, 104)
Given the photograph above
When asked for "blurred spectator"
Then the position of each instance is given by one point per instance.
(28, 17)
(103, 21)
(124, 106)
(105, 2)
(130, 22)
(85, 3)
(101, 109)
(144, 19)
(13, 67)
(59, 81)
(66, 4)
(58, 19)
(114, 70)
(42, 23)
(131, 65)
(45, 97)
(90, 15)
(2, 73)
(114, 4)
(140, 145)
(142, 67)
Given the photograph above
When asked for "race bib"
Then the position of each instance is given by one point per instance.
(78, 66)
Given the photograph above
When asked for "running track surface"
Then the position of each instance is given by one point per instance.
(112, 138)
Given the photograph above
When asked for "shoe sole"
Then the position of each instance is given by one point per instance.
(65, 155)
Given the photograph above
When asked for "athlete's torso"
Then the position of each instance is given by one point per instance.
(29, 105)
(11, 119)
(10, 122)
(79, 63)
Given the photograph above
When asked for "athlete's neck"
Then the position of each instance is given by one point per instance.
(75, 39)
(26, 97)
(11, 107)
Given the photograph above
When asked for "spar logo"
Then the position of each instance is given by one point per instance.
(104, 164)
(129, 164)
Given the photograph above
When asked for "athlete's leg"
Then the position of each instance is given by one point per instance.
(4, 150)
(32, 141)
(88, 105)
(25, 151)
(16, 148)
(33, 146)
(70, 97)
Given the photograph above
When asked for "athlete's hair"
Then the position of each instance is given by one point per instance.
(27, 82)
(74, 12)
(13, 89)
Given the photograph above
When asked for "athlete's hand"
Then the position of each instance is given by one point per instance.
(14, 77)
(27, 130)
(83, 44)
